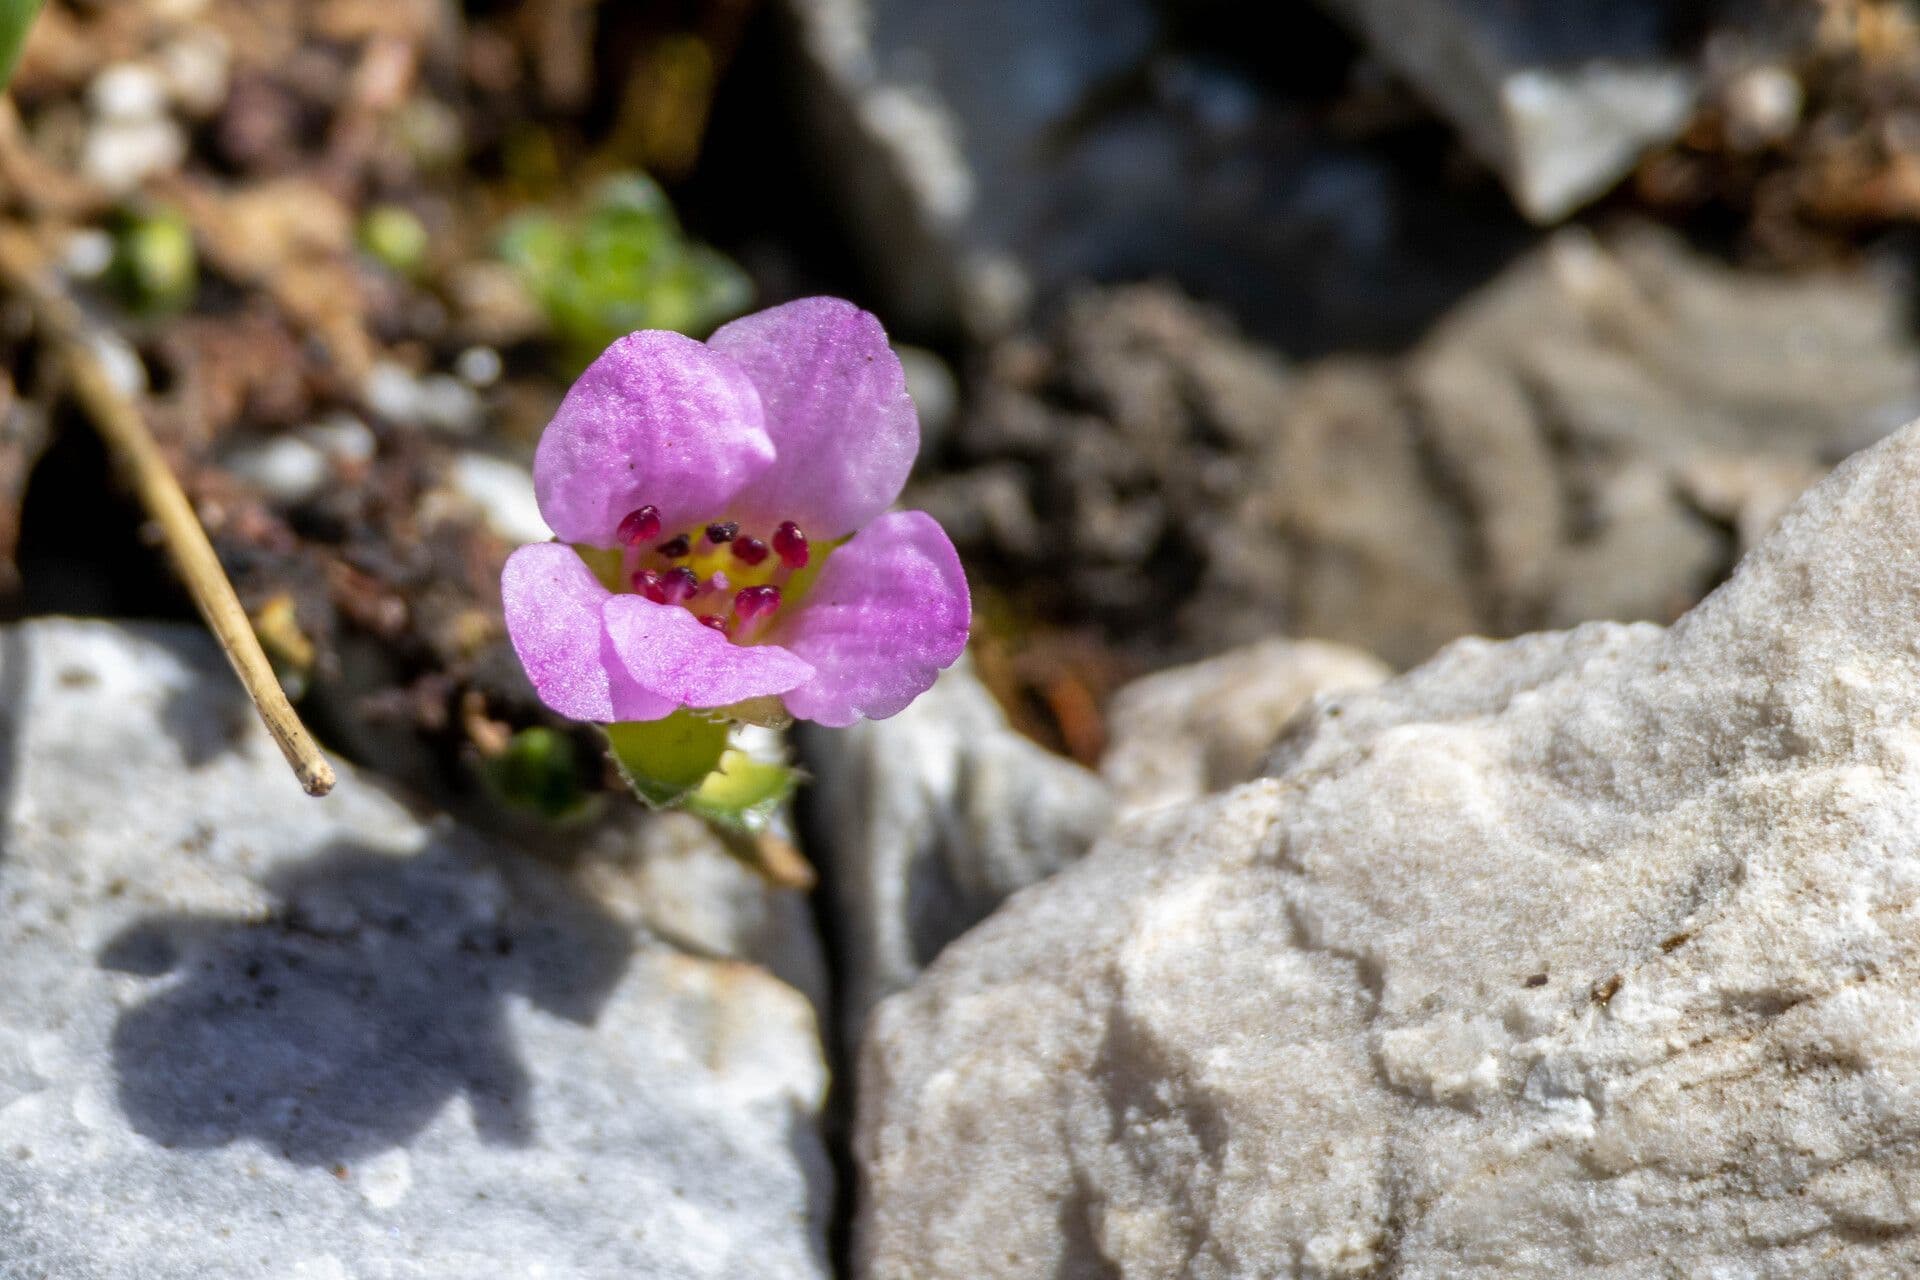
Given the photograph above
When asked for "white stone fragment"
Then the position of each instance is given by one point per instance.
(503, 491)
(1560, 100)
(86, 253)
(287, 468)
(1181, 733)
(120, 154)
(195, 66)
(247, 1033)
(934, 816)
(343, 437)
(123, 366)
(1592, 953)
(127, 91)
(478, 366)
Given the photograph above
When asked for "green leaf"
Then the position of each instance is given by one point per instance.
(16, 17)
(622, 263)
(744, 793)
(664, 761)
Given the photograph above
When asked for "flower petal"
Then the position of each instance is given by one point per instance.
(659, 420)
(837, 409)
(889, 611)
(673, 655)
(554, 606)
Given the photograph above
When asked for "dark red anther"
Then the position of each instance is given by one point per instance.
(715, 621)
(721, 532)
(649, 584)
(674, 548)
(791, 545)
(749, 550)
(679, 585)
(756, 602)
(642, 524)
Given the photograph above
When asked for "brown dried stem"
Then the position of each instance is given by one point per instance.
(134, 449)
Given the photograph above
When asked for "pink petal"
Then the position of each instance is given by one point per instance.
(837, 409)
(554, 606)
(659, 420)
(889, 611)
(674, 655)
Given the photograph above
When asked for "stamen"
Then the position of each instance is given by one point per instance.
(676, 547)
(721, 532)
(791, 544)
(642, 524)
(679, 585)
(749, 550)
(649, 584)
(717, 622)
(756, 602)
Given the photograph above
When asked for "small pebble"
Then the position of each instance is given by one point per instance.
(121, 362)
(195, 68)
(437, 400)
(341, 436)
(1763, 106)
(128, 91)
(478, 366)
(120, 154)
(287, 469)
(86, 254)
(504, 494)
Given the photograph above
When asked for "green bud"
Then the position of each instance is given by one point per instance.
(395, 237)
(155, 268)
(540, 771)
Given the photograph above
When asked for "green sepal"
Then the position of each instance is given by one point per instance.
(664, 761)
(743, 794)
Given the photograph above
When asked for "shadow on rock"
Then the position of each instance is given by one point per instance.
(339, 1026)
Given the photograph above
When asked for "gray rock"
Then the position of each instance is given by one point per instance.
(934, 111)
(1598, 433)
(986, 155)
(246, 1033)
(931, 819)
(1593, 953)
(1181, 733)
(1560, 99)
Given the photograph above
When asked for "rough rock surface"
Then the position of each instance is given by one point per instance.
(1561, 99)
(1181, 733)
(246, 1033)
(1597, 434)
(933, 817)
(1592, 953)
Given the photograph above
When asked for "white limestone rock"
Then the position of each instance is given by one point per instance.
(930, 819)
(247, 1033)
(1587, 954)
(1560, 99)
(1181, 733)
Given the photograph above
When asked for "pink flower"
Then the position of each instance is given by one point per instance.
(719, 508)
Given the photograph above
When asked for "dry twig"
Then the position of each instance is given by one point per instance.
(134, 449)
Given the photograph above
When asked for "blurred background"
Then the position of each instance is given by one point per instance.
(1371, 321)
